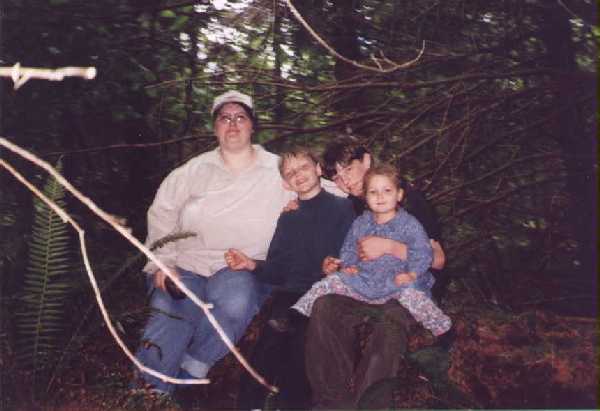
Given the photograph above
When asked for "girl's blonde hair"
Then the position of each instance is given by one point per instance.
(383, 170)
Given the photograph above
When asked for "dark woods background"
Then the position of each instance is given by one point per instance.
(496, 123)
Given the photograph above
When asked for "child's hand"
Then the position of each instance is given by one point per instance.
(352, 270)
(404, 278)
(236, 260)
(291, 206)
(330, 265)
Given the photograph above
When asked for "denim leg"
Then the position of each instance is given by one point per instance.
(169, 330)
(236, 297)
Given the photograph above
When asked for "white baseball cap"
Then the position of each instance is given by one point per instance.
(231, 96)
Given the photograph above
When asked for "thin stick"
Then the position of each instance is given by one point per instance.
(67, 219)
(379, 69)
(20, 75)
(110, 220)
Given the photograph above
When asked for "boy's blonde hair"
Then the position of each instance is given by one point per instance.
(383, 170)
(295, 152)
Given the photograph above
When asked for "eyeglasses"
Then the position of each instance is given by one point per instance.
(237, 119)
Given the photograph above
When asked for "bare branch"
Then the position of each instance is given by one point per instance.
(393, 66)
(129, 145)
(125, 233)
(20, 75)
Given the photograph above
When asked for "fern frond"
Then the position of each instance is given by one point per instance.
(41, 313)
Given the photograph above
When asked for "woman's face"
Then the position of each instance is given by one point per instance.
(233, 128)
(349, 177)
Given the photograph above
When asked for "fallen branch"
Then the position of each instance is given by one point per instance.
(21, 75)
(125, 233)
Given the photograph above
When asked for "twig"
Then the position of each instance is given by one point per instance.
(129, 145)
(507, 165)
(67, 219)
(548, 300)
(123, 231)
(575, 15)
(20, 75)
(128, 263)
(499, 197)
(378, 69)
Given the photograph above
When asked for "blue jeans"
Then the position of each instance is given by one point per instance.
(179, 341)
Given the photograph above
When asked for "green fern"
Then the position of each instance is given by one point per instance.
(40, 316)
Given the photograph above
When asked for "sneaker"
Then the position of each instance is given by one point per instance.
(289, 322)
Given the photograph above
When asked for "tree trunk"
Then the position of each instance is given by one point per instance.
(278, 108)
(345, 41)
(578, 146)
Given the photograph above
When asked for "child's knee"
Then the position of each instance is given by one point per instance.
(239, 305)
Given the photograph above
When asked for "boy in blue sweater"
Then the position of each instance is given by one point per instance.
(302, 239)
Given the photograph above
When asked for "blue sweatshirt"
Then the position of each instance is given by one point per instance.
(302, 239)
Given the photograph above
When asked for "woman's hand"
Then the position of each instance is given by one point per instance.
(372, 247)
(439, 257)
(160, 277)
(330, 265)
(237, 260)
(404, 278)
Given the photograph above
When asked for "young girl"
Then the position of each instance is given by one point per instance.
(376, 281)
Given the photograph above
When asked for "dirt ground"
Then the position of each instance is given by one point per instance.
(529, 359)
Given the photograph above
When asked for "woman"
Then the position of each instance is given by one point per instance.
(331, 339)
(230, 197)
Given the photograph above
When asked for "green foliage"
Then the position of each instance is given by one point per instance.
(41, 315)
(485, 124)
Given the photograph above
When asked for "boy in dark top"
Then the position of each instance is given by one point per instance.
(331, 338)
(302, 239)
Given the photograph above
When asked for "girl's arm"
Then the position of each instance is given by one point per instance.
(349, 251)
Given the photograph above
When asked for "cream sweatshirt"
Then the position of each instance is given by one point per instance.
(222, 210)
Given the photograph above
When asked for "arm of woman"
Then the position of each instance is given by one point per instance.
(420, 208)
(372, 247)
(420, 253)
(439, 256)
(163, 216)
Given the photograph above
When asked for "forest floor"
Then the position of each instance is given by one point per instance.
(531, 358)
